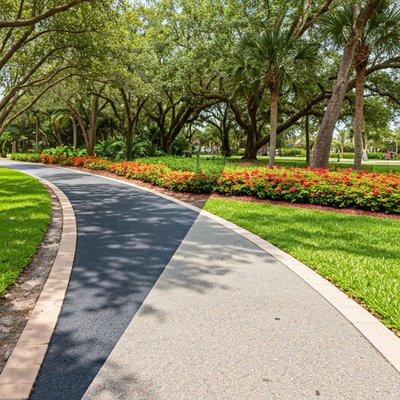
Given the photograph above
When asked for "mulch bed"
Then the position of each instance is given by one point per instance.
(17, 304)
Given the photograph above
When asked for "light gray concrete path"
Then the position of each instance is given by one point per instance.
(226, 321)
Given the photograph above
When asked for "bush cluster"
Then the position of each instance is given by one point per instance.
(342, 188)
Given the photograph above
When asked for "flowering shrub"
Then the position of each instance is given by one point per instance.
(344, 188)
(56, 159)
(186, 181)
(341, 188)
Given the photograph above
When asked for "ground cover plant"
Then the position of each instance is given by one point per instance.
(24, 215)
(360, 254)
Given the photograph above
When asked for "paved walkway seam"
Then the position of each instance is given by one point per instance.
(20, 372)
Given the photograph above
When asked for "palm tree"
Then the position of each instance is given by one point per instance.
(381, 37)
(265, 63)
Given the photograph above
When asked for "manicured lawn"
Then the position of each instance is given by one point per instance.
(360, 254)
(24, 215)
(217, 164)
(208, 165)
(299, 163)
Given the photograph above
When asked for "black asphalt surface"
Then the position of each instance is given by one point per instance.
(126, 237)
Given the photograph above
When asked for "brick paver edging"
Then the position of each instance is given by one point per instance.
(21, 369)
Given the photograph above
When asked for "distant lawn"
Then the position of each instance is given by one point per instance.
(360, 254)
(215, 165)
(299, 163)
(208, 165)
(24, 216)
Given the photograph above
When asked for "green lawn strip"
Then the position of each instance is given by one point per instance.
(299, 163)
(360, 254)
(208, 165)
(25, 210)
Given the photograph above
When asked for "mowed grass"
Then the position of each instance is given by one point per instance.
(208, 165)
(360, 254)
(215, 165)
(25, 210)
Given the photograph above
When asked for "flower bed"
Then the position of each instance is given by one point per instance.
(342, 188)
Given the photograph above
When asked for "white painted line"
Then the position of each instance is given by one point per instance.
(20, 372)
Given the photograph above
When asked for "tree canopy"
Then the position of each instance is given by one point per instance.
(244, 74)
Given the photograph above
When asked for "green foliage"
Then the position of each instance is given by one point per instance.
(27, 157)
(357, 253)
(292, 152)
(24, 215)
(181, 146)
(210, 166)
(66, 151)
(113, 149)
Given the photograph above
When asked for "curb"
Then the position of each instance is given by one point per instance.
(381, 337)
(20, 372)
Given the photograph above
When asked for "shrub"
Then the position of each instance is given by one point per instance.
(292, 152)
(342, 188)
(181, 146)
(27, 157)
(186, 181)
(113, 149)
(66, 151)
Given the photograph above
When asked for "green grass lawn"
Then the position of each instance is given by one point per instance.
(208, 165)
(360, 254)
(299, 163)
(215, 165)
(25, 210)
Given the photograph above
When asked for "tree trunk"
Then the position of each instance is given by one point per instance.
(324, 137)
(92, 131)
(36, 133)
(74, 134)
(226, 147)
(14, 146)
(250, 152)
(129, 139)
(358, 118)
(273, 123)
(166, 144)
(307, 136)
(365, 151)
(58, 137)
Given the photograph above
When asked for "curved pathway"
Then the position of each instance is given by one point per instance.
(164, 304)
